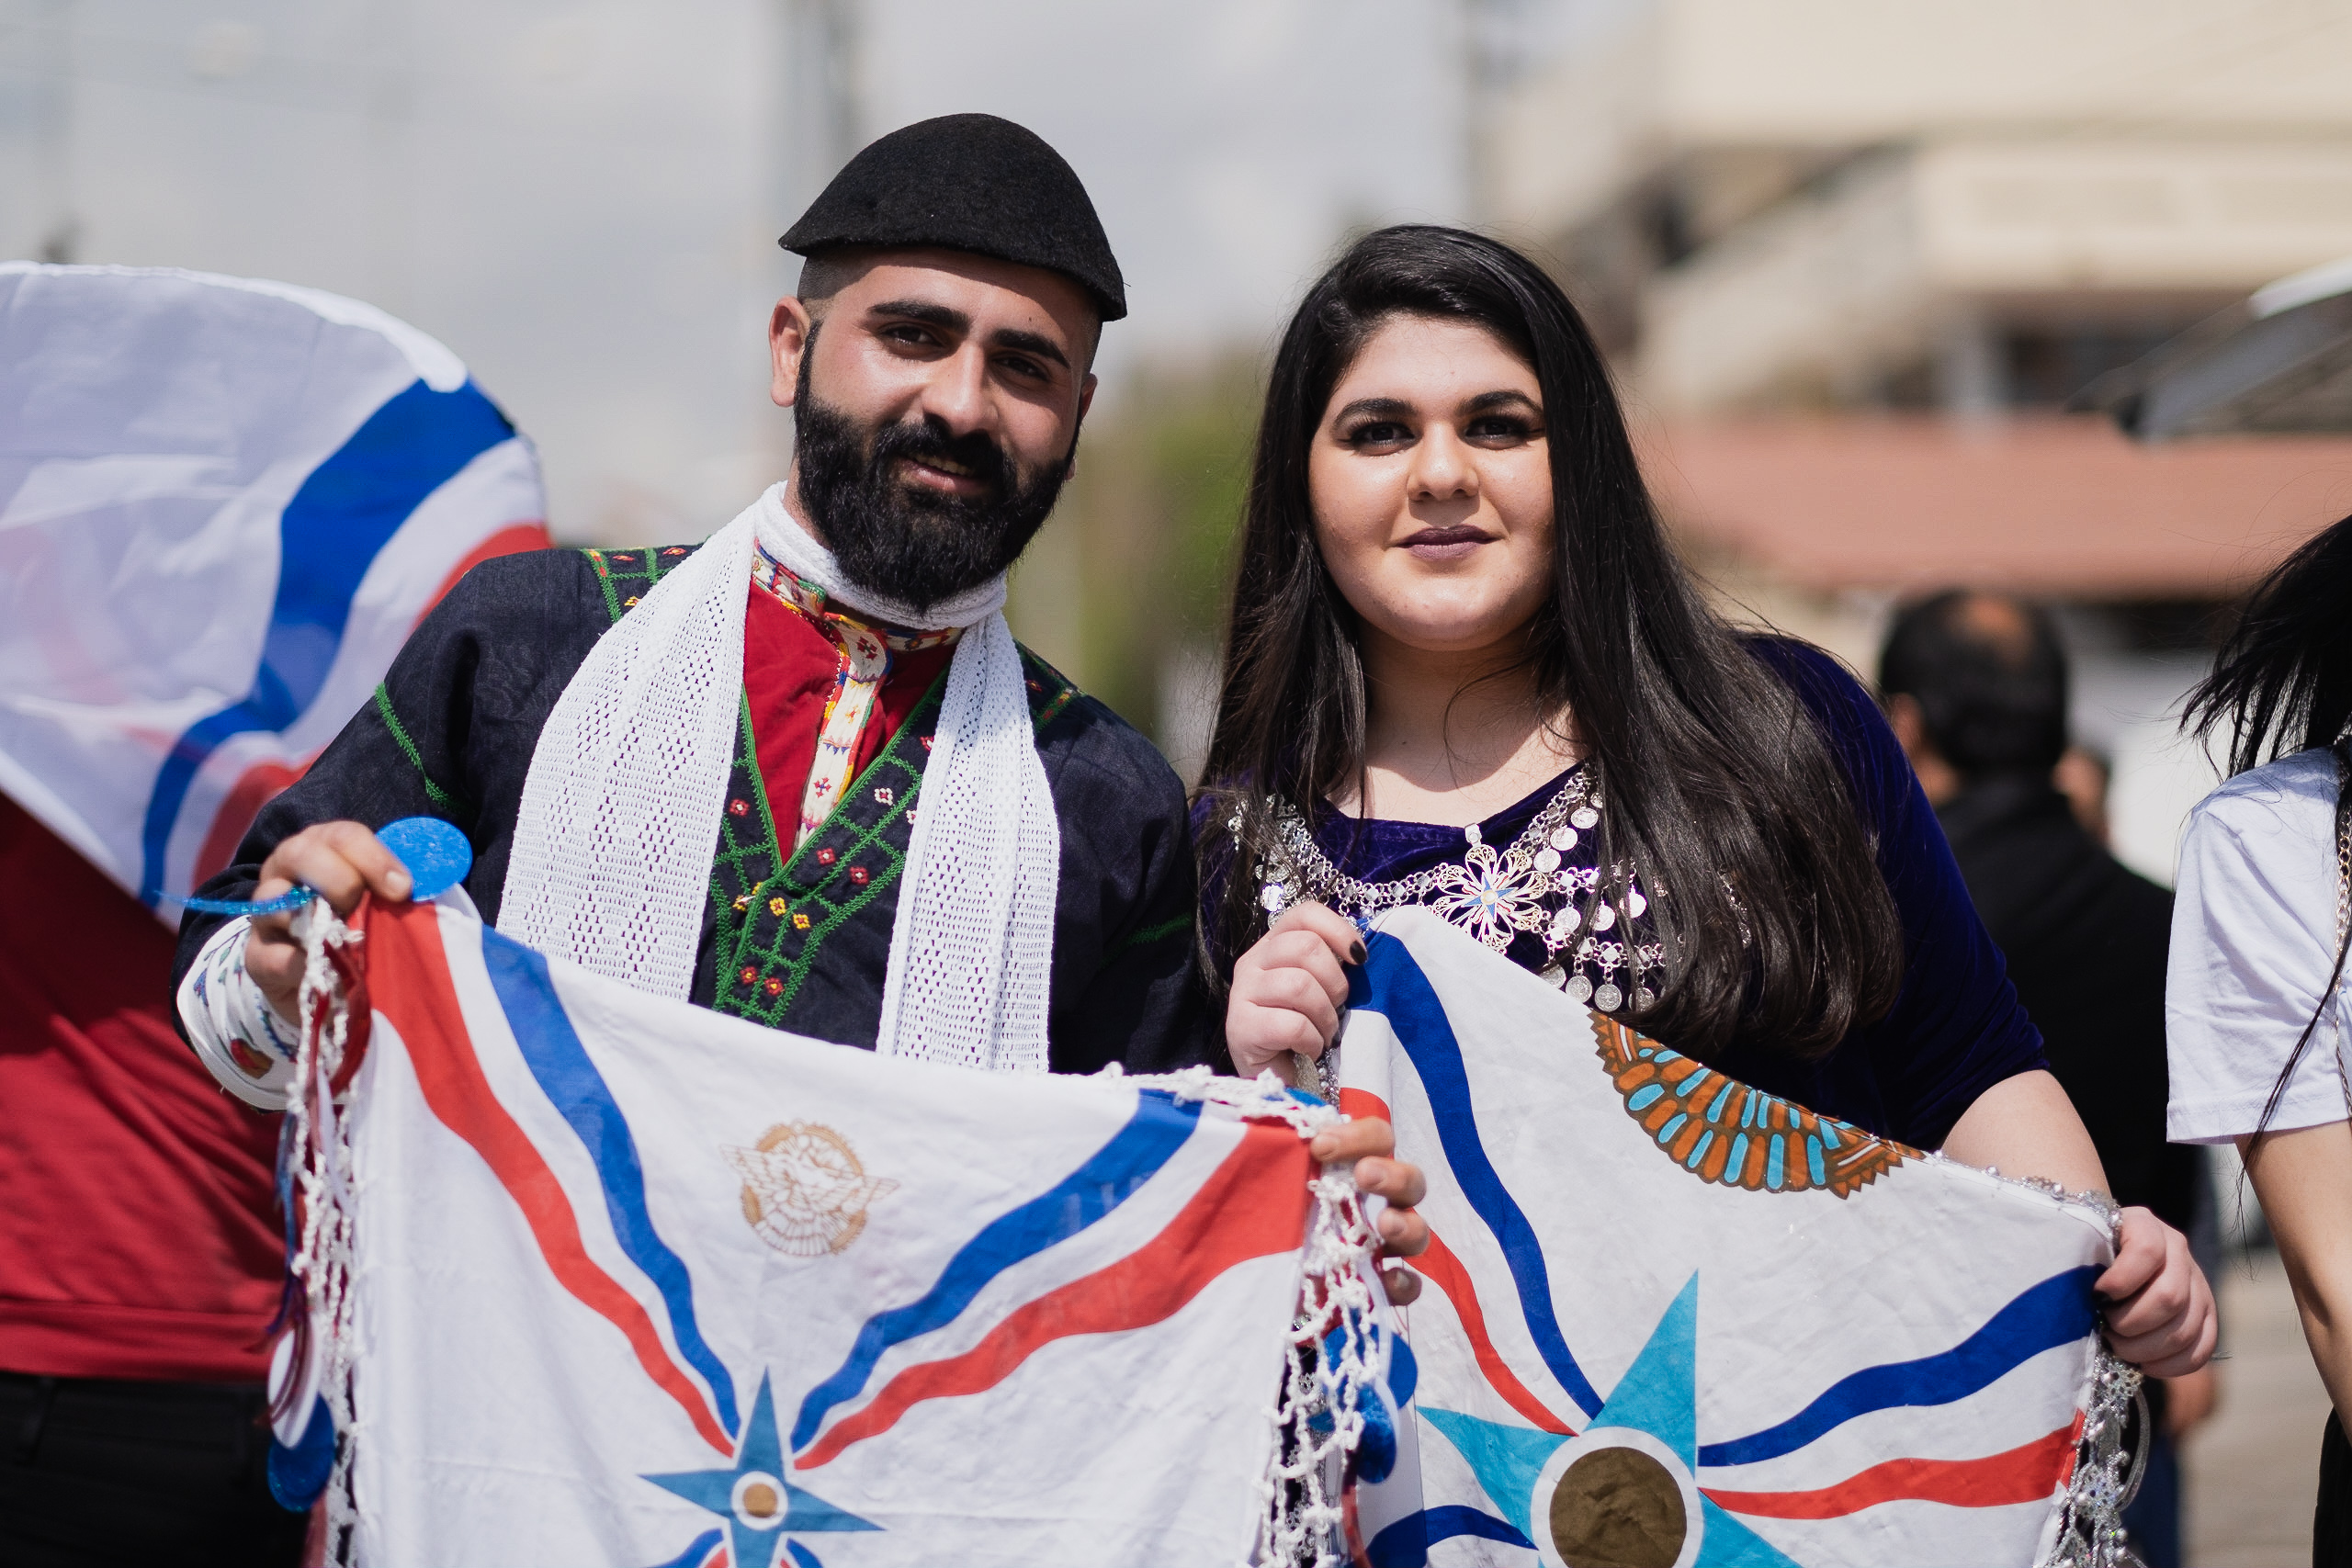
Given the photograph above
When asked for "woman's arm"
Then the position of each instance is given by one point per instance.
(2160, 1314)
(2305, 1179)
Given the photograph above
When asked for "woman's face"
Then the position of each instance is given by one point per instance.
(1431, 487)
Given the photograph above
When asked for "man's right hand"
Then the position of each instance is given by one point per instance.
(339, 860)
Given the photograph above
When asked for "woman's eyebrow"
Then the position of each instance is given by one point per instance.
(1499, 399)
(1387, 408)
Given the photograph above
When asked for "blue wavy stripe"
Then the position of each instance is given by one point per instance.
(1392, 985)
(1152, 1136)
(1406, 1543)
(327, 537)
(551, 1049)
(692, 1557)
(2058, 1311)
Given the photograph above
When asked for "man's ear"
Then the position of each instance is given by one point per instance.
(791, 330)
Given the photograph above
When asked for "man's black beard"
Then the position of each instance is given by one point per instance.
(902, 541)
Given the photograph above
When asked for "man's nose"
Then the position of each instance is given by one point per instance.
(956, 393)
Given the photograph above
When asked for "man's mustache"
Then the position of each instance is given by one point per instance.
(975, 453)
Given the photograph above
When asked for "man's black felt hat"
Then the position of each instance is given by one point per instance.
(967, 182)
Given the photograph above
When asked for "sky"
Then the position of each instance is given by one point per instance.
(581, 199)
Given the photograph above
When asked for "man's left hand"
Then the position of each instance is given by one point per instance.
(1371, 1145)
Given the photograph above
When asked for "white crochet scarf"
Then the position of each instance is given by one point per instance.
(620, 814)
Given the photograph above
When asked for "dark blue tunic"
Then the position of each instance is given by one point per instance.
(1955, 1029)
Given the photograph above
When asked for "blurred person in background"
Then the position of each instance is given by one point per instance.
(140, 1253)
(2256, 1007)
(1975, 687)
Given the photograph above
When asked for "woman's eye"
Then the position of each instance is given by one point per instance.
(1378, 432)
(1500, 428)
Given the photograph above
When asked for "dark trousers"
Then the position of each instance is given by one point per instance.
(2153, 1517)
(2332, 1519)
(96, 1472)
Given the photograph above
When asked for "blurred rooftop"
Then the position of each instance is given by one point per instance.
(2059, 506)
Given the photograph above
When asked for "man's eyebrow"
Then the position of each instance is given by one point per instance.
(925, 312)
(1037, 344)
(1390, 408)
(953, 319)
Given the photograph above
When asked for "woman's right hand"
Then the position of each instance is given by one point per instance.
(1288, 989)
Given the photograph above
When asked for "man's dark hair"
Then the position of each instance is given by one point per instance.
(1989, 675)
(1781, 930)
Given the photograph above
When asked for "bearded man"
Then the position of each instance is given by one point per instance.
(802, 774)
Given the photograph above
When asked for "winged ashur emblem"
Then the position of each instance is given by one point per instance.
(804, 1188)
(1724, 1131)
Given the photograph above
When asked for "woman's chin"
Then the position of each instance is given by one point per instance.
(1448, 637)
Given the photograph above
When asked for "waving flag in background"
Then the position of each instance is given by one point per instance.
(638, 1284)
(223, 504)
(1673, 1320)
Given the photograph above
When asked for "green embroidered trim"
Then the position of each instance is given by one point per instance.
(772, 928)
(1150, 934)
(432, 791)
(1051, 691)
(627, 575)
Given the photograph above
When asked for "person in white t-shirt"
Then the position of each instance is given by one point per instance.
(2254, 1009)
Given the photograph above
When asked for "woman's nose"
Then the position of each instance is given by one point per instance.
(1441, 466)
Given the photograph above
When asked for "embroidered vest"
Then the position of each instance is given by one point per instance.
(774, 913)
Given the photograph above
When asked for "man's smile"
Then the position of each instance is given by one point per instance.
(943, 474)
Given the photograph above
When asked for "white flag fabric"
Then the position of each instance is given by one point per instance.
(223, 504)
(635, 1284)
(1673, 1320)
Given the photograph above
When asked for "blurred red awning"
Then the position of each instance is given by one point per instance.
(2054, 505)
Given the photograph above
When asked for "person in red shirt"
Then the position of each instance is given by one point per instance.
(140, 1251)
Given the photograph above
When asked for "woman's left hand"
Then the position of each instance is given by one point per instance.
(2160, 1309)
(1372, 1143)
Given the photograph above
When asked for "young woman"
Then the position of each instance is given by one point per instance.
(2257, 956)
(1457, 629)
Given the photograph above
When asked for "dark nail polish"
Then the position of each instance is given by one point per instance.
(1356, 953)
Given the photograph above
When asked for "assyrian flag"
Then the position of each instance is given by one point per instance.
(638, 1283)
(1670, 1319)
(223, 505)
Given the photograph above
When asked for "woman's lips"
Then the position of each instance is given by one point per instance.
(1445, 544)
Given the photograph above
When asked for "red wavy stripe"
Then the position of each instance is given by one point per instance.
(1444, 1270)
(1252, 1204)
(2027, 1473)
(409, 980)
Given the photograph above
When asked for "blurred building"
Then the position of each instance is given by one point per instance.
(1855, 257)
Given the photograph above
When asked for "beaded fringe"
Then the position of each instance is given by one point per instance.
(323, 1181)
(2089, 1531)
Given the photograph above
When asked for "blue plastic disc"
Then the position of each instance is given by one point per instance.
(435, 854)
(297, 1475)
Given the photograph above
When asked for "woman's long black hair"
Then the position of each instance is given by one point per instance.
(2282, 683)
(1777, 926)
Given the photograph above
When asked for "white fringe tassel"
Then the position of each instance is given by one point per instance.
(323, 1177)
(1318, 1413)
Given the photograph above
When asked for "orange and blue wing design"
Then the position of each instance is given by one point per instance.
(1722, 1130)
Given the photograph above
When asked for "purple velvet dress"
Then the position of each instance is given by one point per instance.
(1955, 1029)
